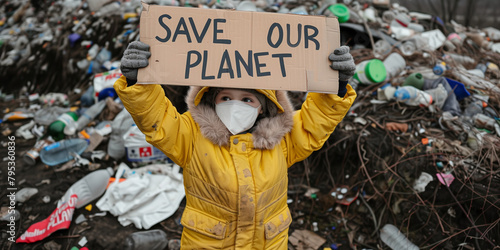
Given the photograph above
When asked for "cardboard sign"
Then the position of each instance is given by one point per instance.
(239, 49)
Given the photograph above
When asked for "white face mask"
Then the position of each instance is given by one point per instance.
(236, 115)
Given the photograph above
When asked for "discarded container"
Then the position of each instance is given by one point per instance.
(393, 238)
(341, 11)
(33, 154)
(87, 99)
(25, 194)
(439, 96)
(48, 115)
(439, 68)
(138, 149)
(16, 116)
(122, 122)
(64, 125)
(90, 114)
(107, 92)
(370, 72)
(413, 96)
(415, 79)
(89, 188)
(382, 48)
(458, 88)
(475, 107)
(394, 65)
(61, 151)
(484, 121)
(152, 240)
(459, 59)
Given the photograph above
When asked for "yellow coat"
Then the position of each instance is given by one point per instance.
(236, 185)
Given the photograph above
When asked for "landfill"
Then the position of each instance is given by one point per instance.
(415, 164)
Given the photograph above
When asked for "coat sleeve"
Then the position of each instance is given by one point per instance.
(158, 119)
(315, 122)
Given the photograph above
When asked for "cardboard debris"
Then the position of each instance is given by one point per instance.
(305, 239)
(240, 49)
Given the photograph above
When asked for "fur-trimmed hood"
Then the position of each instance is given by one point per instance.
(267, 133)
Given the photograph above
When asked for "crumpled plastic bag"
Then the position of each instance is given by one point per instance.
(144, 198)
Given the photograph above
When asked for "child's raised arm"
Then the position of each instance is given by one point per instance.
(153, 113)
(321, 113)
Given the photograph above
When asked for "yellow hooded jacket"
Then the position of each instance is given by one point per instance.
(236, 185)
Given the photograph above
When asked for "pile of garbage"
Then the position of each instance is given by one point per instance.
(414, 164)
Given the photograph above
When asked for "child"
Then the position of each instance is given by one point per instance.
(235, 146)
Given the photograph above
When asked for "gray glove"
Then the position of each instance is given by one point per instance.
(343, 62)
(135, 56)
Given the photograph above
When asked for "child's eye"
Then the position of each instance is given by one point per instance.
(247, 99)
(225, 98)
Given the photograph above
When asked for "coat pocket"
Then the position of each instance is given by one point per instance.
(278, 223)
(204, 223)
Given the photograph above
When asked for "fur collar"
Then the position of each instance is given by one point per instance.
(267, 133)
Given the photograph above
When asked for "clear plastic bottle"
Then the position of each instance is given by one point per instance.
(439, 95)
(64, 125)
(88, 188)
(393, 238)
(152, 240)
(413, 96)
(61, 151)
(475, 107)
(90, 114)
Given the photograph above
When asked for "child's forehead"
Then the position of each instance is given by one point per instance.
(235, 91)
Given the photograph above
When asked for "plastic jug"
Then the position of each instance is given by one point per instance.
(370, 72)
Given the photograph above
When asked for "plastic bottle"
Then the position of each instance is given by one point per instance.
(64, 125)
(388, 16)
(370, 72)
(413, 96)
(87, 99)
(88, 188)
(415, 79)
(439, 95)
(475, 107)
(482, 67)
(60, 152)
(90, 114)
(393, 238)
(439, 68)
(484, 121)
(394, 65)
(122, 122)
(382, 48)
(152, 240)
(33, 154)
(48, 115)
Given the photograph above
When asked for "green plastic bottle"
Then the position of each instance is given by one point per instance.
(56, 128)
(416, 80)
